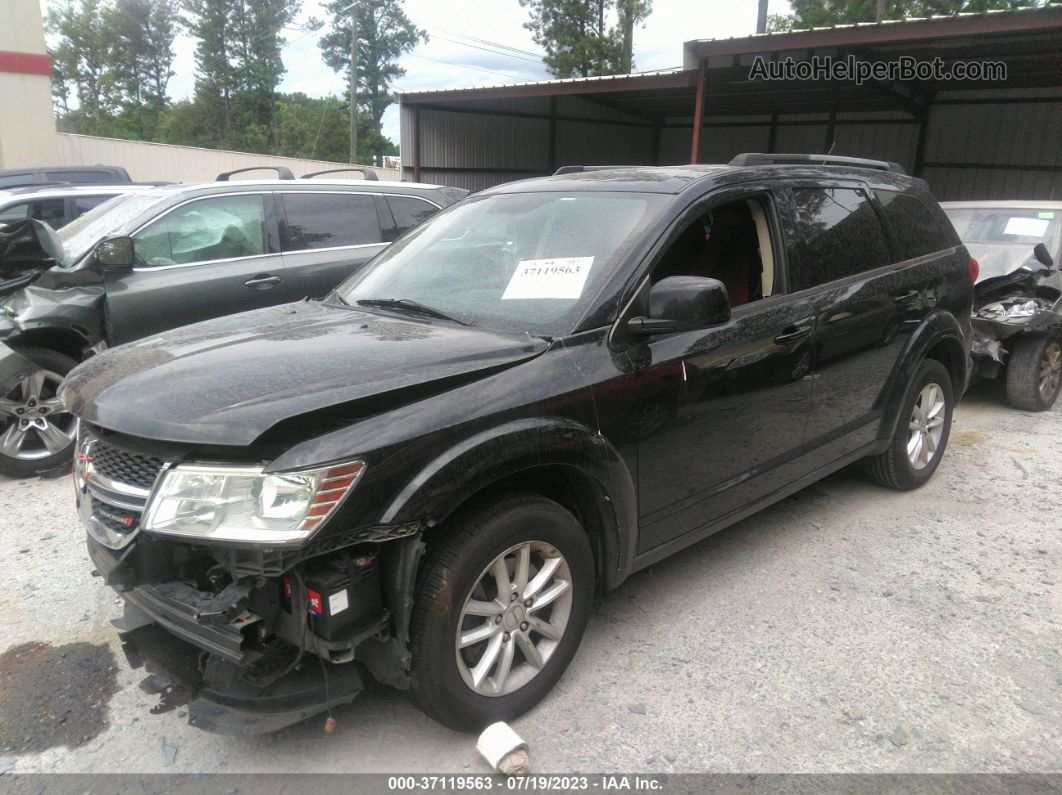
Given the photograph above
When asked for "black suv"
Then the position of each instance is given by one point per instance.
(544, 388)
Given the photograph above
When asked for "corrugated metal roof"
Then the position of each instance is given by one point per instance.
(764, 41)
(937, 18)
(597, 79)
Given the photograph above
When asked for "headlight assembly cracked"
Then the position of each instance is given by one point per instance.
(245, 504)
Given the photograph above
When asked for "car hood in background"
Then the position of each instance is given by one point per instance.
(230, 380)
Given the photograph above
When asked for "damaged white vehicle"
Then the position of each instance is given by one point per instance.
(1018, 295)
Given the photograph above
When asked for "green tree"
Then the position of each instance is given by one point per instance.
(83, 58)
(814, 13)
(630, 13)
(144, 31)
(238, 67)
(384, 34)
(576, 36)
(317, 128)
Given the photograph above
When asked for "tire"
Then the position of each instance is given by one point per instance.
(1034, 372)
(897, 467)
(443, 677)
(27, 448)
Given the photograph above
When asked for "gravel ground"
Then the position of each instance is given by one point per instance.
(847, 629)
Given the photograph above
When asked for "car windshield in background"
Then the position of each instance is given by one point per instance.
(517, 262)
(1002, 239)
(81, 234)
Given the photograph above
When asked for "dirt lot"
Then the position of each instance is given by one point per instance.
(846, 629)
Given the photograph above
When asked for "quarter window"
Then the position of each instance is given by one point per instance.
(325, 220)
(836, 234)
(409, 211)
(917, 230)
(222, 227)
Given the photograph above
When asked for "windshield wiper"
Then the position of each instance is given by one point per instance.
(410, 305)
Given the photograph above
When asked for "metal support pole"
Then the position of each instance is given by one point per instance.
(416, 144)
(698, 115)
(353, 83)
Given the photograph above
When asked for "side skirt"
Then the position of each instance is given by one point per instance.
(649, 557)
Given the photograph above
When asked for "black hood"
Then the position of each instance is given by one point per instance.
(228, 381)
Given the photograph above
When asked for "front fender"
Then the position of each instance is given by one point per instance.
(942, 331)
(468, 467)
(13, 365)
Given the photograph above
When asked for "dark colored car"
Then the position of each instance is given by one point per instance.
(166, 256)
(77, 175)
(547, 387)
(1018, 298)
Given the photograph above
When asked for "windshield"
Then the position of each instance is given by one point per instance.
(1001, 240)
(517, 262)
(80, 235)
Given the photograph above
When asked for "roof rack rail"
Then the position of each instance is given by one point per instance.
(366, 172)
(581, 169)
(760, 159)
(282, 172)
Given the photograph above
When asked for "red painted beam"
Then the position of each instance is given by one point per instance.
(25, 63)
(698, 116)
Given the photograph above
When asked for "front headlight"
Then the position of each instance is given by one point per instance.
(244, 504)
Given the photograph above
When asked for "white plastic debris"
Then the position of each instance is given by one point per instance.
(504, 750)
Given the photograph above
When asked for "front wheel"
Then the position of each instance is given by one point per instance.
(36, 432)
(1034, 372)
(915, 450)
(501, 606)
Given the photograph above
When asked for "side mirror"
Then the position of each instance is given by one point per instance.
(115, 252)
(1043, 256)
(683, 303)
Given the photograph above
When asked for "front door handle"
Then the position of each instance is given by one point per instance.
(263, 281)
(792, 334)
(908, 298)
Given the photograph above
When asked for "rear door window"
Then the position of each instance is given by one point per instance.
(834, 234)
(409, 211)
(328, 220)
(221, 227)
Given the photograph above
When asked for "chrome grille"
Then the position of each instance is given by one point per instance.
(117, 520)
(133, 469)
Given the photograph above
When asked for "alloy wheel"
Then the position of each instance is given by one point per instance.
(33, 422)
(1050, 370)
(514, 618)
(926, 425)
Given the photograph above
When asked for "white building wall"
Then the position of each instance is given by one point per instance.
(149, 162)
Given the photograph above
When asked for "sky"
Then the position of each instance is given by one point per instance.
(450, 60)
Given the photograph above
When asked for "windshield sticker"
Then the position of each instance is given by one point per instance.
(1047, 215)
(563, 277)
(1026, 227)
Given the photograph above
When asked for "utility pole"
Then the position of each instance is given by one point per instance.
(353, 83)
(880, 10)
(761, 17)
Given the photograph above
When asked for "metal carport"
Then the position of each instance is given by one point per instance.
(988, 139)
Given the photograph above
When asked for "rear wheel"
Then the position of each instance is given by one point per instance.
(36, 432)
(921, 432)
(1034, 372)
(501, 607)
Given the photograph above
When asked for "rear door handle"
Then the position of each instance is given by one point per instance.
(263, 281)
(793, 333)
